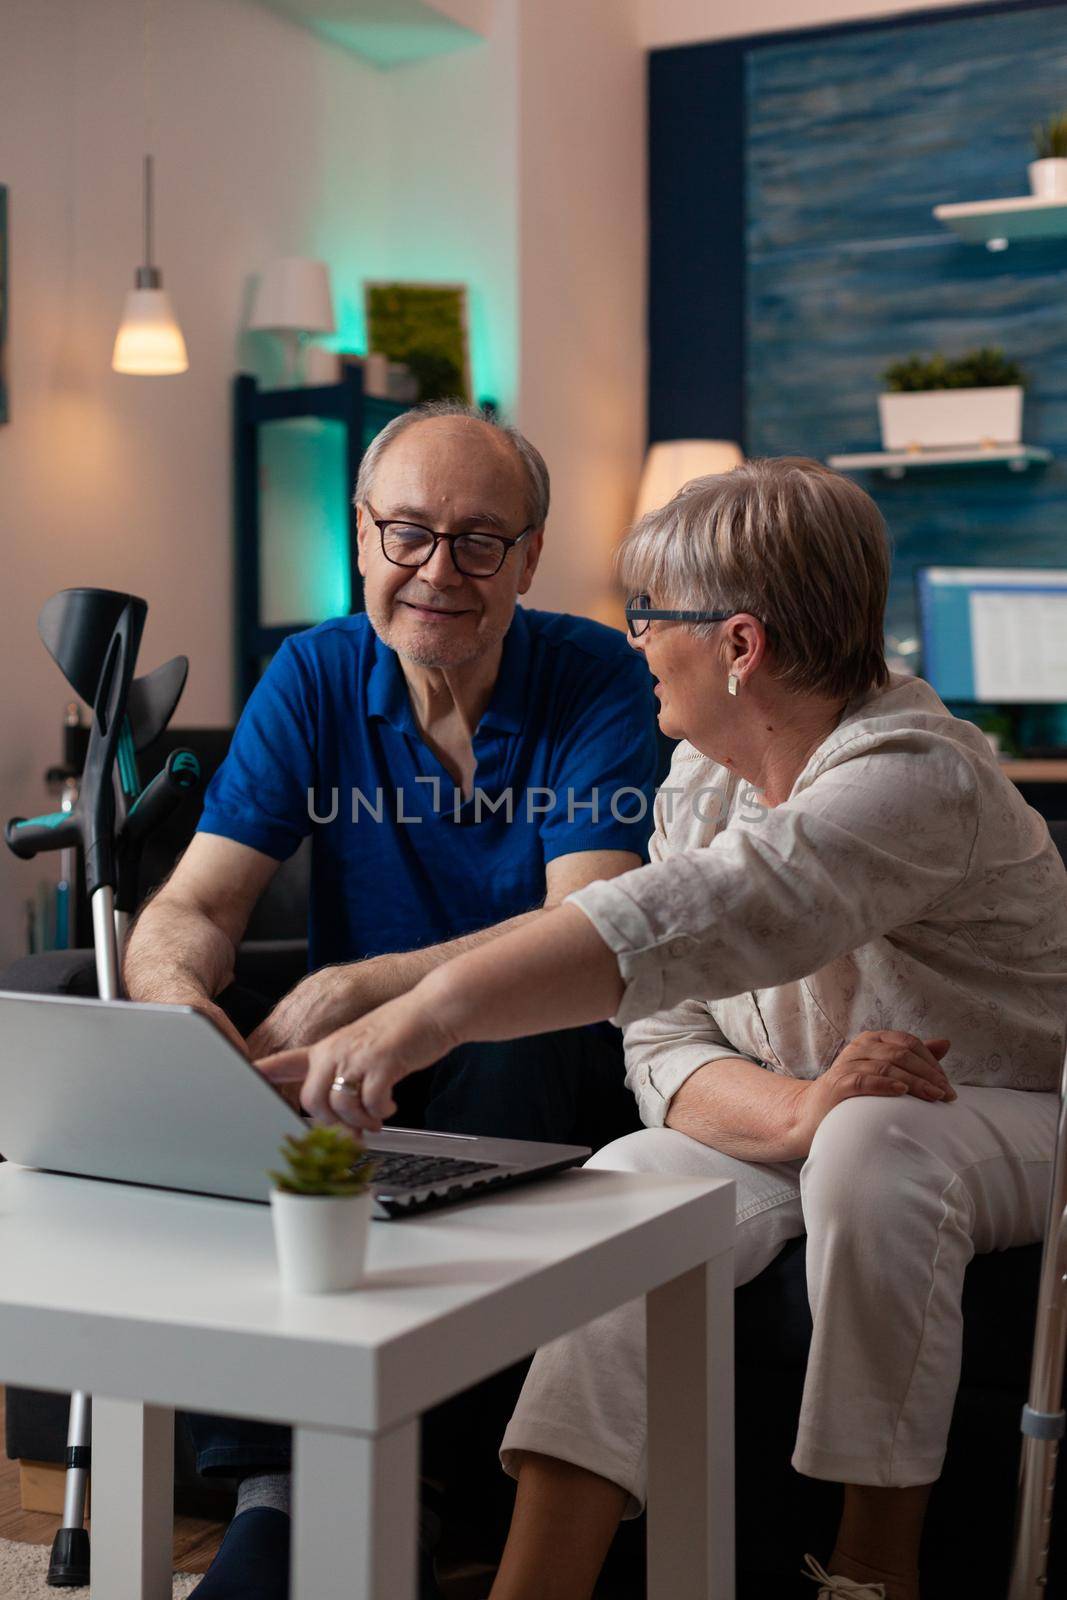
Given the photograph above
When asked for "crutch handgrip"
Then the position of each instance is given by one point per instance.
(160, 797)
(30, 836)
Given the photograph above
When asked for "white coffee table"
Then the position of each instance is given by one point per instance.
(152, 1301)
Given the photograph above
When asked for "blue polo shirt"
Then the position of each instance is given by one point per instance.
(328, 746)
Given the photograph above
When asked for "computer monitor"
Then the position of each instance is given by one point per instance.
(994, 635)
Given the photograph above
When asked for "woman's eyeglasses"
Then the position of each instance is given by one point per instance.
(640, 612)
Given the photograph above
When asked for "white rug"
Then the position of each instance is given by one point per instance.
(23, 1568)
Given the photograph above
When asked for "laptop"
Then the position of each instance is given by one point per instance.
(154, 1095)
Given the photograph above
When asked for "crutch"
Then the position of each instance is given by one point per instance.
(93, 635)
(1043, 1415)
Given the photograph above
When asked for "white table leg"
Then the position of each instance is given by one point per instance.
(355, 1514)
(132, 1524)
(691, 1435)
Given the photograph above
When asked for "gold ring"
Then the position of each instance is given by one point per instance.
(342, 1085)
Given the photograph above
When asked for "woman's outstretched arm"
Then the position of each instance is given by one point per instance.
(556, 972)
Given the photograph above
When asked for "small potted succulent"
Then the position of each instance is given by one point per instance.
(320, 1207)
(937, 403)
(1048, 173)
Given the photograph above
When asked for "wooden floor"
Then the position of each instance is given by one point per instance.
(195, 1540)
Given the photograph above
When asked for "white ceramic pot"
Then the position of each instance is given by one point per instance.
(1048, 178)
(321, 1240)
(938, 419)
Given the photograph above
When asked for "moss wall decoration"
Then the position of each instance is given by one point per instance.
(425, 326)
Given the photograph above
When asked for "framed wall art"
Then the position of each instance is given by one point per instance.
(425, 326)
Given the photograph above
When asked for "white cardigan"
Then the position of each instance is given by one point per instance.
(903, 884)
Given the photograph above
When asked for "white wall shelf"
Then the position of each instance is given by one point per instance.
(998, 223)
(896, 463)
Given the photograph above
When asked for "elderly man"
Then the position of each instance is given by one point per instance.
(461, 764)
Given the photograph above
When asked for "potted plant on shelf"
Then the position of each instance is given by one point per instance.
(934, 403)
(320, 1207)
(1048, 173)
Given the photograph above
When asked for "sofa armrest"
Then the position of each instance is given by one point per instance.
(270, 967)
(52, 972)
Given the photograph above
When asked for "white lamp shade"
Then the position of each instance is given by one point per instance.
(294, 293)
(149, 342)
(670, 465)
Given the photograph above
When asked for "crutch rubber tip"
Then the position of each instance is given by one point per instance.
(69, 1564)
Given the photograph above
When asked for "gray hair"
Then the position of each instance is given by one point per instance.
(788, 541)
(529, 457)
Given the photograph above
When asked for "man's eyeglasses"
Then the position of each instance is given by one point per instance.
(640, 612)
(475, 555)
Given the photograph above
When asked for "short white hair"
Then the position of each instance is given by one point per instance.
(529, 457)
(785, 539)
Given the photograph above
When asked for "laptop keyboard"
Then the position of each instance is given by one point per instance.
(403, 1170)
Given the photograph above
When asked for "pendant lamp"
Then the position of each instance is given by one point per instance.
(149, 342)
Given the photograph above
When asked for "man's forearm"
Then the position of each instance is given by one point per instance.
(334, 996)
(739, 1108)
(174, 950)
(396, 974)
(387, 977)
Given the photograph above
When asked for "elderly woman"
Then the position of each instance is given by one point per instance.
(843, 979)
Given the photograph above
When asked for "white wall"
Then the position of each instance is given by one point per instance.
(671, 22)
(583, 256)
(453, 183)
(521, 172)
(125, 482)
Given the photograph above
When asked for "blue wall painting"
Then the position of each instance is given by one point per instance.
(850, 139)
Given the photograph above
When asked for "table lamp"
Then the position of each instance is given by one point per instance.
(673, 462)
(293, 300)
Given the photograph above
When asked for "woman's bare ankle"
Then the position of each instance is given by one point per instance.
(564, 1520)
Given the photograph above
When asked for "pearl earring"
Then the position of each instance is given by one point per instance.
(733, 683)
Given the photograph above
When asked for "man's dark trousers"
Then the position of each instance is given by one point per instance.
(561, 1088)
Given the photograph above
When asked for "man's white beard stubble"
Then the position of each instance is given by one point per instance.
(428, 654)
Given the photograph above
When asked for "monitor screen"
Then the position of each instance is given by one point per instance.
(994, 635)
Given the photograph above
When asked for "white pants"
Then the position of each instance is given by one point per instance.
(895, 1197)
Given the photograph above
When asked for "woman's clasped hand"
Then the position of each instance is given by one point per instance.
(886, 1062)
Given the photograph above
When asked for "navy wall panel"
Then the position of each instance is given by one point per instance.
(809, 164)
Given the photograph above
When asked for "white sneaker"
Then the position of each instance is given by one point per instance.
(834, 1587)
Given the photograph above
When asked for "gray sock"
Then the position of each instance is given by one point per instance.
(266, 1489)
